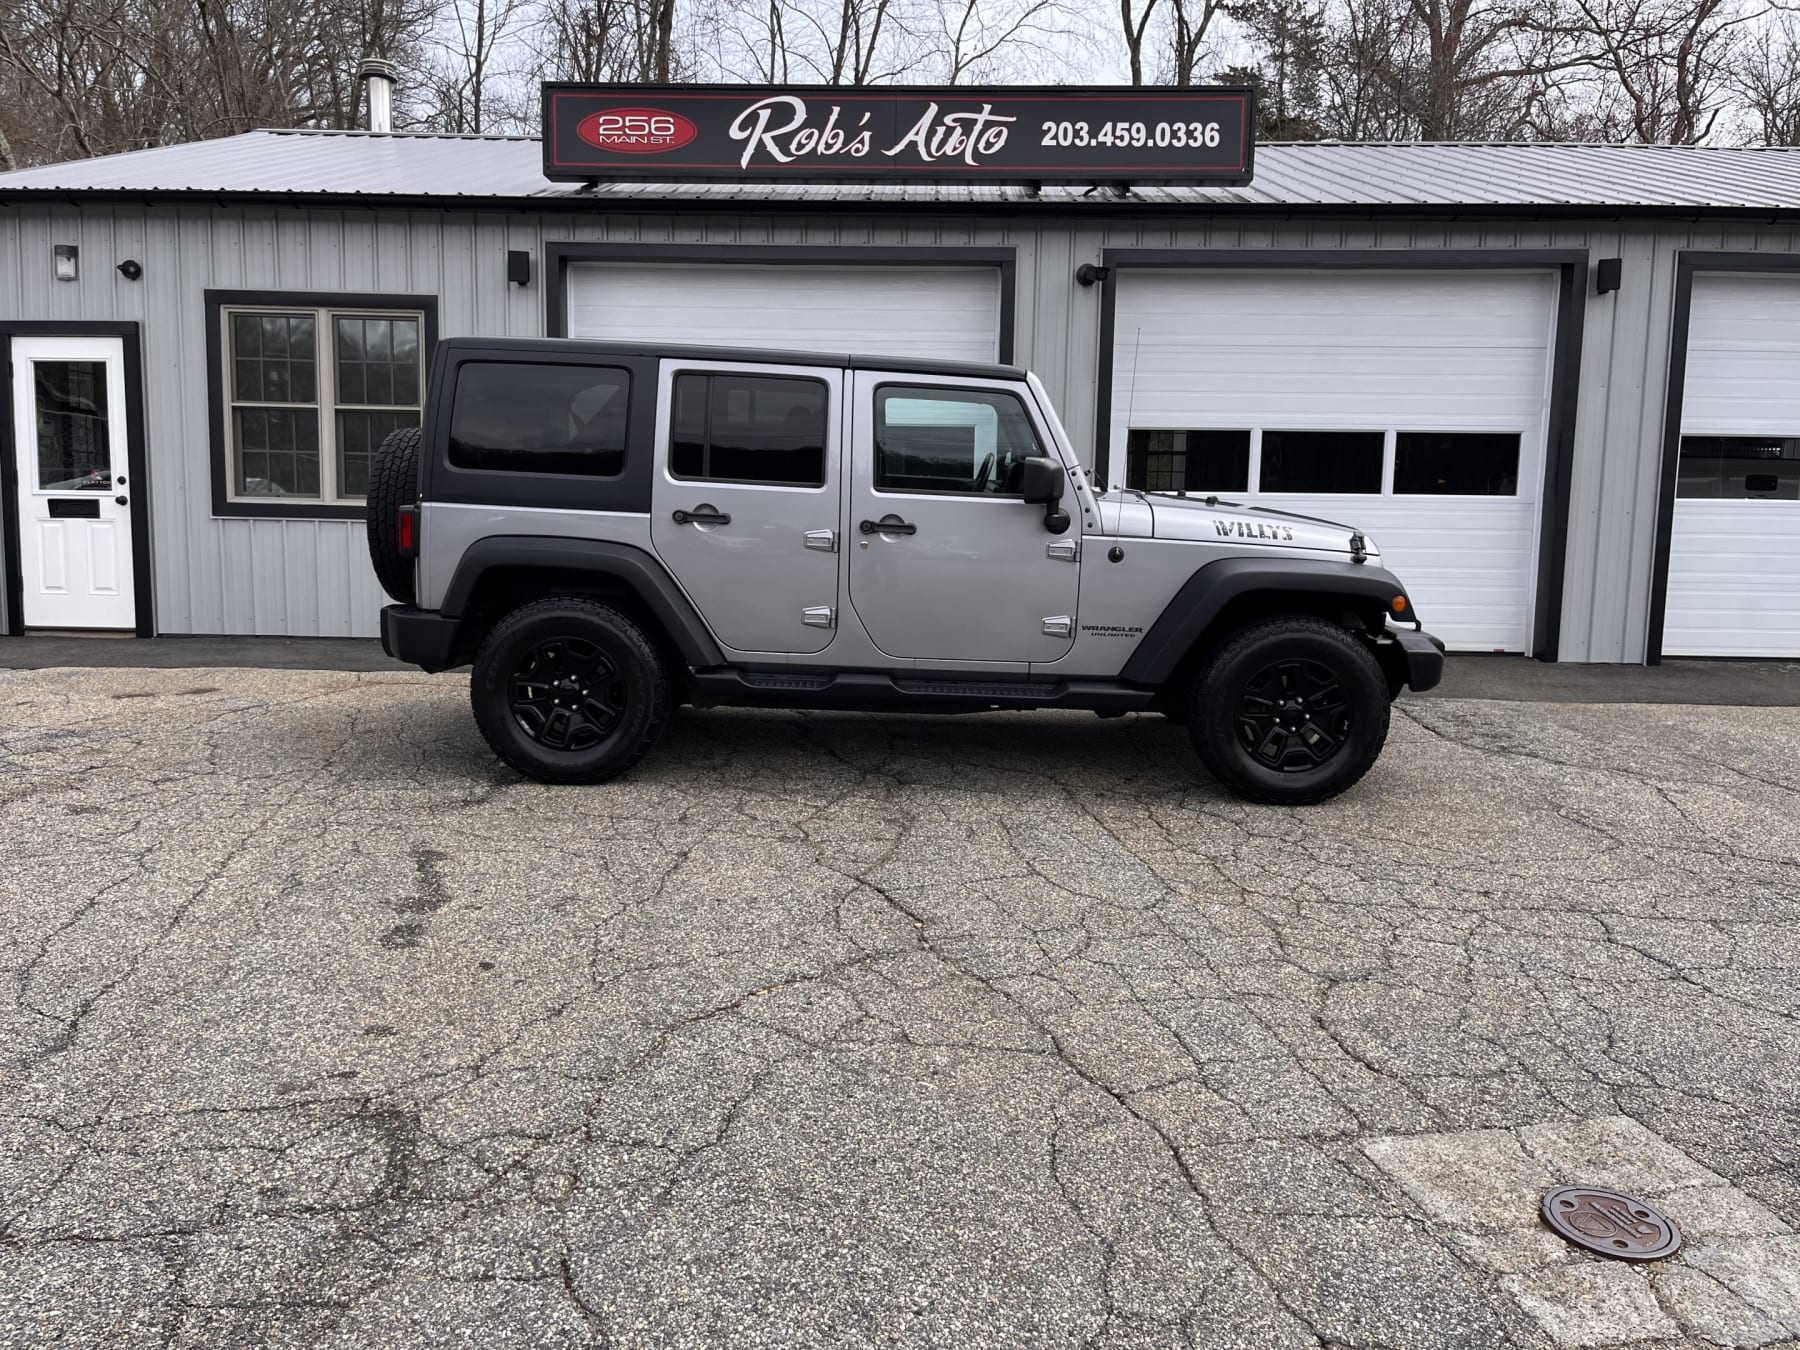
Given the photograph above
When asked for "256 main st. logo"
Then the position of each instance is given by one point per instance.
(636, 131)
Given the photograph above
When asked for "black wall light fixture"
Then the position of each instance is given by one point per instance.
(1606, 275)
(518, 267)
(1087, 274)
(131, 269)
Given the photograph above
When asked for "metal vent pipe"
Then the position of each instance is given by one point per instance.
(378, 77)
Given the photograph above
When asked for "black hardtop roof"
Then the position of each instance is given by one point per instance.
(901, 365)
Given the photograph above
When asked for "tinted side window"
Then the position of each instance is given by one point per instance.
(951, 440)
(1188, 461)
(749, 429)
(527, 417)
(1472, 464)
(1322, 461)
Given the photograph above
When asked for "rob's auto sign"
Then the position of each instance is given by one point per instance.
(812, 134)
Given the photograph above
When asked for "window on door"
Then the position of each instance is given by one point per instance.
(307, 391)
(964, 441)
(74, 448)
(1741, 468)
(1188, 461)
(767, 430)
(1326, 462)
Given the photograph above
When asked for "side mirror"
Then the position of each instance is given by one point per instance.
(1042, 481)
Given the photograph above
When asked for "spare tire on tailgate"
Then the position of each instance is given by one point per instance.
(393, 483)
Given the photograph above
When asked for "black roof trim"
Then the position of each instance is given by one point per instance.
(577, 204)
(675, 351)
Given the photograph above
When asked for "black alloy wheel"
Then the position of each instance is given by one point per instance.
(1289, 711)
(1293, 716)
(569, 689)
(566, 695)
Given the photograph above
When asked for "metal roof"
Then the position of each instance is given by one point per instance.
(468, 170)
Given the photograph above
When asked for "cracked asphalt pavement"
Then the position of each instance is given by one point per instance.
(831, 1029)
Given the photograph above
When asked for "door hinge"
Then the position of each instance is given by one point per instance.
(1058, 625)
(825, 541)
(819, 616)
(1063, 550)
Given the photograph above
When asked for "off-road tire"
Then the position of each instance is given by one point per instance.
(1227, 691)
(393, 483)
(511, 663)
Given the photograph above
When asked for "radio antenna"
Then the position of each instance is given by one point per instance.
(1137, 343)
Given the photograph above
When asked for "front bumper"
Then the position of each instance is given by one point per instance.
(1424, 656)
(420, 637)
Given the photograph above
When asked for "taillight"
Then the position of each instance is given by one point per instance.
(408, 532)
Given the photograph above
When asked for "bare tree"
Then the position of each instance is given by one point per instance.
(1133, 25)
(1663, 67)
(1766, 77)
(607, 40)
(997, 39)
(1190, 23)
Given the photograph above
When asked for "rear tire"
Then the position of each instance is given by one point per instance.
(393, 483)
(1290, 711)
(568, 690)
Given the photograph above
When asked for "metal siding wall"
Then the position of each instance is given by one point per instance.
(310, 577)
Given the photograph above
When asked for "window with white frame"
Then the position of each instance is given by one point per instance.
(310, 392)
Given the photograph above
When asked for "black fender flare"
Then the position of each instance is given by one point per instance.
(641, 572)
(1204, 596)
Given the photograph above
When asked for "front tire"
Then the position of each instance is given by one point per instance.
(569, 690)
(1290, 711)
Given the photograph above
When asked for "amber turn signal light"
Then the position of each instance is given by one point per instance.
(1399, 605)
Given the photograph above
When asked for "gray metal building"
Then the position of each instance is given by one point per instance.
(1560, 385)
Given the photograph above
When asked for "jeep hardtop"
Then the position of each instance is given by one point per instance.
(609, 530)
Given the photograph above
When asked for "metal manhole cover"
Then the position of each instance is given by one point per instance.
(1610, 1223)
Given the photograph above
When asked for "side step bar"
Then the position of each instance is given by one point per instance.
(856, 689)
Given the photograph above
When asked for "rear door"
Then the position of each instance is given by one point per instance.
(948, 563)
(746, 498)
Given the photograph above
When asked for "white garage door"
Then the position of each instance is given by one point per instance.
(1412, 405)
(948, 312)
(1734, 549)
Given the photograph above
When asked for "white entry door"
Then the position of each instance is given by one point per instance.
(74, 503)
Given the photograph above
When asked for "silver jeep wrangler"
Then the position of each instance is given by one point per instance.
(606, 530)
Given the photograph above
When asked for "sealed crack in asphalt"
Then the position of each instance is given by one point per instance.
(840, 1030)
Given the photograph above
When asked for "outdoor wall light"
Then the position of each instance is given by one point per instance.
(1607, 275)
(131, 269)
(68, 262)
(1087, 274)
(518, 267)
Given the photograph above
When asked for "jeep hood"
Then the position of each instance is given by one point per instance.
(1228, 522)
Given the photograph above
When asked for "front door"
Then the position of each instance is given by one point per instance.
(744, 510)
(73, 502)
(948, 563)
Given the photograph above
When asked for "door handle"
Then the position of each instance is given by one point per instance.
(700, 516)
(887, 525)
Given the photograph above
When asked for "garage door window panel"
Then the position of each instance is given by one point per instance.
(1740, 468)
(1323, 463)
(1457, 463)
(311, 393)
(1188, 461)
(540, 417)
(759, 430)
(955, 442)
